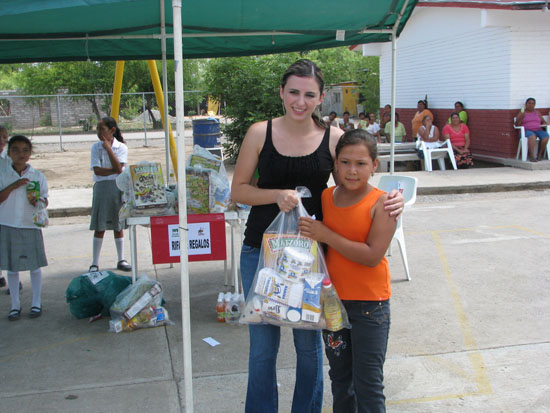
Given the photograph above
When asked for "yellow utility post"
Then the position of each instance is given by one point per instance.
(160, 101)
(117, 89)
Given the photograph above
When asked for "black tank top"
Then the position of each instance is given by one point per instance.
(287, 172)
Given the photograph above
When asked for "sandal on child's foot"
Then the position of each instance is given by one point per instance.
(35, 312)
(14, 314)
(93, 268)
(124, 266)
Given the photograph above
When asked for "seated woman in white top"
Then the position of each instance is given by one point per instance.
(429, 133)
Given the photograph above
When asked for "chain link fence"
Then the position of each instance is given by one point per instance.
(66, 114)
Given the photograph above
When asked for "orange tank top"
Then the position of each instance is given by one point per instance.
(352, 280)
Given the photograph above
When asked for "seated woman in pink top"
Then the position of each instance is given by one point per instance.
(531, 120)
(459, 134)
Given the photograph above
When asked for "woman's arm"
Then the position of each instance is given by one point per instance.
(466, 142)
(368, 253)
(519, 118)
(436, 134)
(241, 189)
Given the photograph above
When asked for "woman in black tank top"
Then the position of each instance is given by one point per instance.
(296, 149)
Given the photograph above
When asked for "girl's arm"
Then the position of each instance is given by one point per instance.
(368, 253)
(5, 193)
(117, 166)
(241, 189)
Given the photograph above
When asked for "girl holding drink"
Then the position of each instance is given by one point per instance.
(21, 242)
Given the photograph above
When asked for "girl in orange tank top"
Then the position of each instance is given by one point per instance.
(357, 232)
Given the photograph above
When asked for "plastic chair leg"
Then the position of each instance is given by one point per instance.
(441, 162)
(400, 237)
(427, 161)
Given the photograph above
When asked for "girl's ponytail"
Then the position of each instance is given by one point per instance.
(111, 123)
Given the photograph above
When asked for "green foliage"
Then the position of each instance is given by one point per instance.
(249, 86)
(98, 77)
(9, 75)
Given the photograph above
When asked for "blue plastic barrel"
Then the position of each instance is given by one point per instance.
(206, 132)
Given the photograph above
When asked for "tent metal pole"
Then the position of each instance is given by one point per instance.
(165, 90)
(182, 204)
(59, 124)
(393, 95)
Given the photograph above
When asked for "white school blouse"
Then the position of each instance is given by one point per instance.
(16, 211)
(100, 158)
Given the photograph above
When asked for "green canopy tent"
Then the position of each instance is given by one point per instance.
(65, 30)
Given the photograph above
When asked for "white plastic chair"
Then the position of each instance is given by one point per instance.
(437, 153)
(522, 144)
(408, 185)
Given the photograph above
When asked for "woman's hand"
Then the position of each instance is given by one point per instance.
(313, 229)
(287, 200)
(394, 204)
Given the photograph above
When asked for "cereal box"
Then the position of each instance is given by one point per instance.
(148, 184)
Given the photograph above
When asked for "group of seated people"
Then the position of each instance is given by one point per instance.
(456, 130)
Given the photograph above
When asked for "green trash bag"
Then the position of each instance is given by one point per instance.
(93, 293)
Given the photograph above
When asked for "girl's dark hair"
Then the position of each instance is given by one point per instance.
(533, 99)
(458, 102)
(306, 68)
(111, 123)
(455, 113)
(358, 136)
(423, 102)
(19, 138)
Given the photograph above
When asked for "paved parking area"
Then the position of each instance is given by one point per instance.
(469, 332)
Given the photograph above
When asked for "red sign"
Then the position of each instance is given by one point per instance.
(206, 238)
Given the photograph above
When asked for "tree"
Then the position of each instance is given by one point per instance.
(249, 86)
(89, 78)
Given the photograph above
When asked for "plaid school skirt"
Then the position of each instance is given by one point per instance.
(21, 249)
(106, 204)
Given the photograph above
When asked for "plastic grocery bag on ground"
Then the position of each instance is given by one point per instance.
(139, 306)
(93, 293)
(288, 286)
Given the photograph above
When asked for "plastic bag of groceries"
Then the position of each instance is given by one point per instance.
(291, 286)
(139, 306)
(208, 189)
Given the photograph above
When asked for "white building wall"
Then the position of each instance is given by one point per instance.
(530, 79)
(471, 55)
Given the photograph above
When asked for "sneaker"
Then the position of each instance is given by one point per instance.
(124, 266)
(3, 282)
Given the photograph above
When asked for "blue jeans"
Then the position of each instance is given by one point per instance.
(357, 356)
(262, 395)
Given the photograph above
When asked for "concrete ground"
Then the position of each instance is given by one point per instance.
(469, 331)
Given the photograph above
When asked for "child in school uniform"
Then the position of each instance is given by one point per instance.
(358, 232)
(21, 241)
(4, 163)
(109, 157)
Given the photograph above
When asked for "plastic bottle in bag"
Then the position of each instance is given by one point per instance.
(233, 308)
(220, 309)
(227, 307)
(331, 307)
